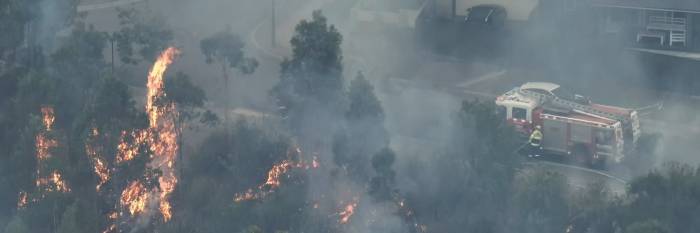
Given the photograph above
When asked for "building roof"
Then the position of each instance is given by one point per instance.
(539, 86)
(690, 6)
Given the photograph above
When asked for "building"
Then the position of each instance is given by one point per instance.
(518, 10)
(668, 27)
(672, 25)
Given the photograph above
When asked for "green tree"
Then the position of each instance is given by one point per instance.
(364, 133)
(667, 195)
(142, 36)
(225, 166)
(310, 91)
(364, 104)
(472, 180)
(382, 184)
(226, 49)
(540, 202)
(189, 99)
(592, 209)
(13, 20)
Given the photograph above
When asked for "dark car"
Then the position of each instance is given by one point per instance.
(491, 15)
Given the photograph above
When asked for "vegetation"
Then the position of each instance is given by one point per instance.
(226, 49)
(330, 168)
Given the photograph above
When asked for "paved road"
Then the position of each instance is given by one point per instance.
(91, 6)
(403, 94)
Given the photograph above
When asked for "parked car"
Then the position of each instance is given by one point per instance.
(491, 15)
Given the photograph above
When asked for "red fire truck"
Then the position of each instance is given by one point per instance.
(571, 125)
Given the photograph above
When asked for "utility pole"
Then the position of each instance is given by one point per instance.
(111, 40)
(274, 21)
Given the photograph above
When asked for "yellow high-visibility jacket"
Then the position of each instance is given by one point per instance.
(536, 137)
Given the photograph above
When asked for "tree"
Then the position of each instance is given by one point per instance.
(225, 166)
(540, 202)
(592, 209)
(668, 196)
(13, 20)
(188, 98)
(364, 134)
(310, 91)
(381, 185)
(143, 33)
(364, 104)
(472, 180)
(226, 49)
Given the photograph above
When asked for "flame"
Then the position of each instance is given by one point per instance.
(272, 182)
(53, 183)
(112, 218)
(408, 214)
(348, 211)
(48, 117)
(155, 83)
(61, 185)
(128, 150)
(162, 138)
(134, 198)
(314, 163)
(44, 144)
(111, 228)
(22, 200)
(274, 178)
(93, 151)
(162, 120)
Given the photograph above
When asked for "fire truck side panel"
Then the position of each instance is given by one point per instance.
(555, 134)
(581, 134)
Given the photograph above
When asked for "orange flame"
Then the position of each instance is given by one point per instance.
(274, 179)
(58, 182)
(22, 201)
(155, 83)
(348, 211)
(44, 144)
(162, 120)
(161, 136)
(134, 198)
(272, 182)
(408, 214)
(53, 183)
(93, 152)
(48, 118)
(112, 227)
(128, 150)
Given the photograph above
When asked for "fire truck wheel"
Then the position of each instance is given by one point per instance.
(582, 155)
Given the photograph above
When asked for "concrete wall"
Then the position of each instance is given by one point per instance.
(366, 13)
(518, 10)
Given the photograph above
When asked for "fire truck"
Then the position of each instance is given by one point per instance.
(572, 126)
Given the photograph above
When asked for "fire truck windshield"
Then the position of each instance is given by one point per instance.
(563, 93)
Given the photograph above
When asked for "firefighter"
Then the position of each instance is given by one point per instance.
(535, 141)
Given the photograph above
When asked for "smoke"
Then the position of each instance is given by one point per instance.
(54, 16)
(417, 72)
(142, 222)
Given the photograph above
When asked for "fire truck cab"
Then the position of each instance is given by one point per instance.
(572, 126)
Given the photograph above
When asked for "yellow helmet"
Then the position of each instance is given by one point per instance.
(538, 127)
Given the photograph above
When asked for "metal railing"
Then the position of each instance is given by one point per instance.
(667, 23)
